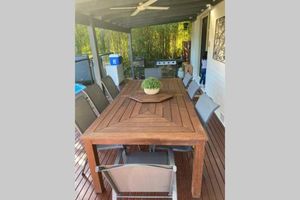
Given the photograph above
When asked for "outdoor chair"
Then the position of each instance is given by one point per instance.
(193, 88)
(142, 172)
(153, 72)
(187, 78)
(205, 107)
(84, 117)
(97, 98)
(110, 87)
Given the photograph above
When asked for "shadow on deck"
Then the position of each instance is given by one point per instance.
(213, 187)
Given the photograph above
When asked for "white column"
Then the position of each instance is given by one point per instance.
(94, 48)
(130, 55)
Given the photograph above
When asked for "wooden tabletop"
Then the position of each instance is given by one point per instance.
(126, 121)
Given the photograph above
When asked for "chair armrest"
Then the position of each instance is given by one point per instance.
(117, 161)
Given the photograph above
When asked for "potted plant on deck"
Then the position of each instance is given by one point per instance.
(151, 85)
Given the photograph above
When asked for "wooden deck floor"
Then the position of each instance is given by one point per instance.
(214, 169)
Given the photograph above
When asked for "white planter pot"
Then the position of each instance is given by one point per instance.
(151, 91)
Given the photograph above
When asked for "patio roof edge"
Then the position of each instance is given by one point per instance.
(86, 20)
(193, 18)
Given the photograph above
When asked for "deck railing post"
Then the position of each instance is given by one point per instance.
(94, 47)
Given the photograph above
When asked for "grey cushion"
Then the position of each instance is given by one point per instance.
(140, 157)
(141, 173)
(193, 88)
(97, 96)
(205, 107)
(84, 114)
(187, 78)
(110, 87)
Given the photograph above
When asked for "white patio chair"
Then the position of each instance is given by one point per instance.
(205, 107)
(110, 87)
(84, 117)
(187, 78)
(143, 172)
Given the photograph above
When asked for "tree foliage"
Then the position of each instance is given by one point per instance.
(159, 42)
(82, 41)
(150, 42)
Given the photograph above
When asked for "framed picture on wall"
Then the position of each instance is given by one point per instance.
(219, 42)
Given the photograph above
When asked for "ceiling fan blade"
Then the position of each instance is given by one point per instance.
(82, 1)
(157, 8)
(135, 12)
(148, 3)
(122, 8)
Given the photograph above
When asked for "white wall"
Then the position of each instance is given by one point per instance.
(215, 74)
(195, 47)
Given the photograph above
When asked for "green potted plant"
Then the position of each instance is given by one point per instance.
(151, 85)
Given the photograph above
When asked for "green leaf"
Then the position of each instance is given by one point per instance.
(151, 83)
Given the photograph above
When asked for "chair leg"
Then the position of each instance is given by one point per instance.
(84, 166)
(174, 193)
(152, 148)
(126, 149)
(114, 195)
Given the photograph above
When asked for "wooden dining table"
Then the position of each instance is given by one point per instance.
(126, 121)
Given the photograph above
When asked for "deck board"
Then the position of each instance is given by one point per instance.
(214, 169)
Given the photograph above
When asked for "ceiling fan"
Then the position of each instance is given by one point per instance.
(141, 7)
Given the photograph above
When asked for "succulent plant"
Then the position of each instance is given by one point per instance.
(151, 83)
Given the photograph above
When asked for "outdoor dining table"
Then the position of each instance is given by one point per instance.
(126, 121)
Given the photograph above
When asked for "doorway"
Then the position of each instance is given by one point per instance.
(203, 39)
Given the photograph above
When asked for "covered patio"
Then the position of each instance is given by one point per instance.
(97, 14)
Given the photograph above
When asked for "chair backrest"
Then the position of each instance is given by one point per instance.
(84, 114)
(187, 78)
(110, 87)
(140, 177)
(193, 88)
(205, 107)
(153, 72)
(97, 96)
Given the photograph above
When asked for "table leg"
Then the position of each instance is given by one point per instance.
(198, 162)
(93, 160)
